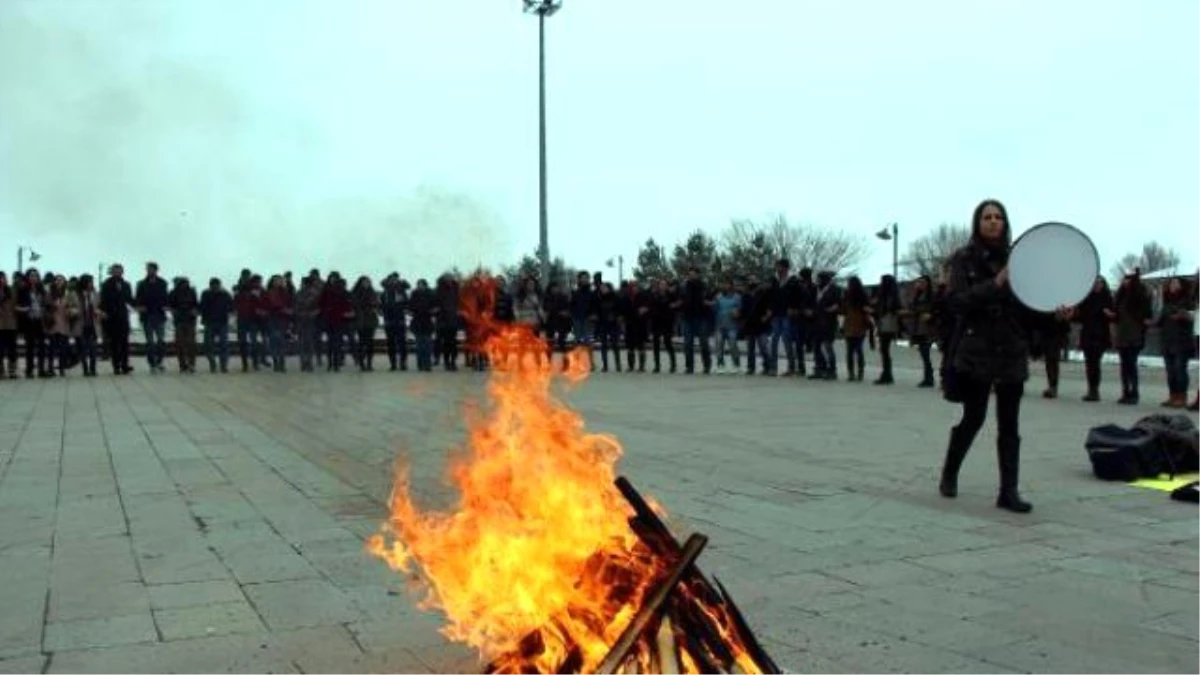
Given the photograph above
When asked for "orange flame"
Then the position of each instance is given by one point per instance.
(537, 565)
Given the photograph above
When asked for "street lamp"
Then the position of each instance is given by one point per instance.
(34, 256)
(620, 268)
(892, 233)
(543, 9)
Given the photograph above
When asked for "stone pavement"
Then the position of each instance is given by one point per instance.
(214, 523)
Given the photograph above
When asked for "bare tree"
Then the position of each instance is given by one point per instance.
(1154, 257)
(929, 252)
(751, 246)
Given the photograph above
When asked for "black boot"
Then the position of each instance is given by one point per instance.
(1008, 452)
(956, 451)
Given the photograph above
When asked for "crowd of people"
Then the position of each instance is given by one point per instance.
(788, 325)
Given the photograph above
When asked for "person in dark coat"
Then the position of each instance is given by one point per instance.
(696, 310)
(756, 325)
(634, 307)
(921, 326)
(152, 300)
(116, 297)
(184, 312)
(822, 328)
(32, 312)
(447, 321)
(1053, 334)
(216, 306)
(422, 305)
(1094, 316)
(1134, 311)
(991, 351)
(663, 306)
(1175, 323)
(393, 304)
(608, 325)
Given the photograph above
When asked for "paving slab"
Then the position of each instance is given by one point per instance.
(216, 523)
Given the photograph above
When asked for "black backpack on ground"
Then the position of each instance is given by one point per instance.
(1157, 444)
(1121, 454)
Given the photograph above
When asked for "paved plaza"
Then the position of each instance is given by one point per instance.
(215, 523)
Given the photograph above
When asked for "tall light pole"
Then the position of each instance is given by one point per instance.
(543, 9)
(33, 257)
(620, 260)
(892, 233)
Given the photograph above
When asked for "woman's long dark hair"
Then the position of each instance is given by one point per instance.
(856, 295)
(977, 219)
(923, 293)
(887, 296)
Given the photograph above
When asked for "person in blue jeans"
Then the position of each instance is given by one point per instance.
(783, 295)
(727, 313)
(150, 299)
(827, 306)
(583, 312)
(696, 308)
(216, 308)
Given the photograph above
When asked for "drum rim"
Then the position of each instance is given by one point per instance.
(1057, 223)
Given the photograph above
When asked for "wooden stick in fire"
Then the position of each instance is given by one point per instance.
(651, 605)
(668, 658)
(647, 517)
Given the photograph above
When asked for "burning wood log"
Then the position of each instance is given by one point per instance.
(656, 535)
(651, 606)
(668, 656)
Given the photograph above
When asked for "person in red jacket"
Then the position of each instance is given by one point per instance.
(278, 306)
(337, 311)
(248, 304)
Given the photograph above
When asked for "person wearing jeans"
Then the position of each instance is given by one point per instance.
(1133, 313)
(696, 310)
(826, 305)
(1175, 323)
(784, 292)
(151, 299)
(216, 306)
(727, 311)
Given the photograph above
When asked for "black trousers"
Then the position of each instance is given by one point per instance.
(447, 339)
(635, 349)
(659, 341)
(1091, 367)
(885, 355)
(397, 345)
(1129, 371)
(8, 349)
(36, 348)
(975, 396)
(118, 344)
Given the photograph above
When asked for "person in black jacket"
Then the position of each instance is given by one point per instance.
(151, 301)
(822, 327)
(991, 351)
(33, 313)
(663, 305)
(422, 305)
(756, 324)
(608, 325)
(184, 309)
(696, 309)
(1094, 316)
(447, 320)
(216, 306)
(393, 304)
(634, 308)
(116, 296)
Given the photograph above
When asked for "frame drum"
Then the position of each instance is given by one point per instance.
(1052, 265)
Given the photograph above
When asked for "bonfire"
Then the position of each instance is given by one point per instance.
(550, 562)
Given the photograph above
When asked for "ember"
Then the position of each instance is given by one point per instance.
(550, 563)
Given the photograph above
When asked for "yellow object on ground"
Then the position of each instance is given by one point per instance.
(1165, 483)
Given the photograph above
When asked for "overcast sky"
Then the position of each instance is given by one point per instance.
(371, 136)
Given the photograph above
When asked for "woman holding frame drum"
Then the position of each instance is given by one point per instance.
(989, 351)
